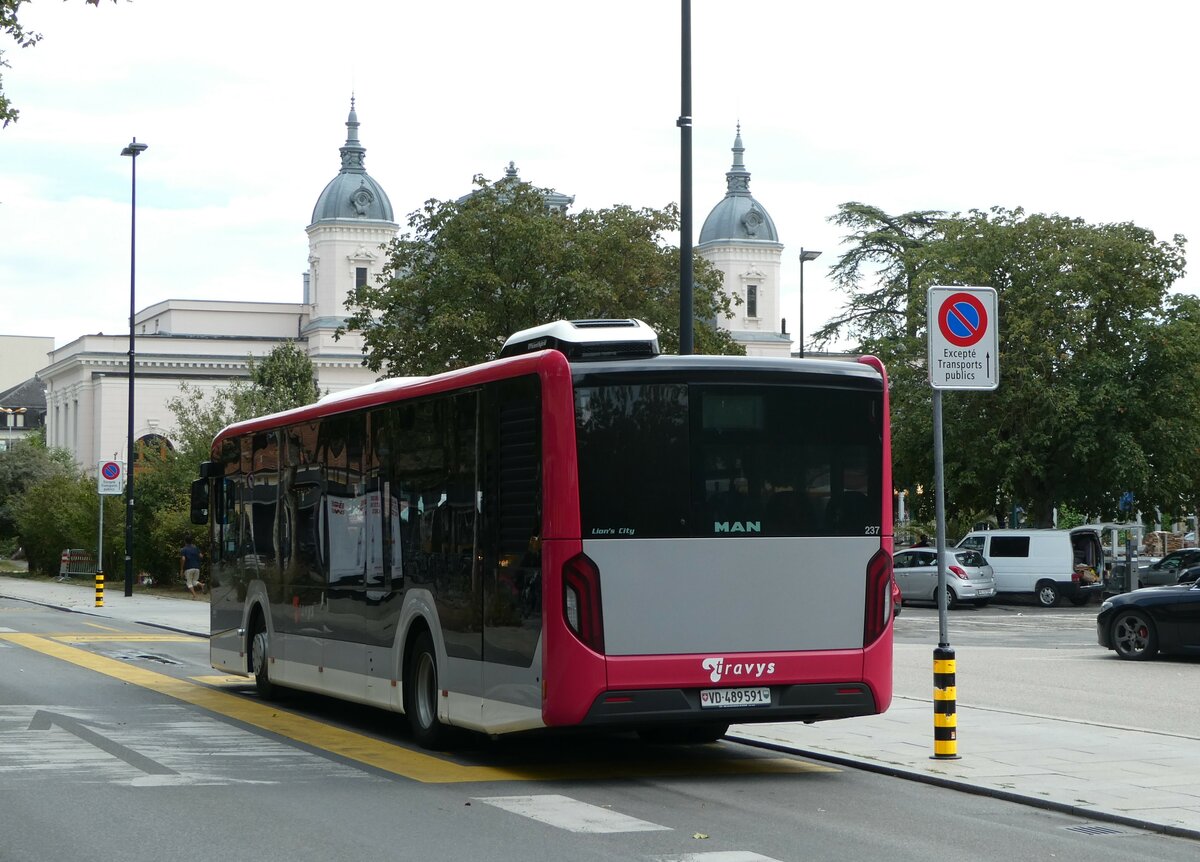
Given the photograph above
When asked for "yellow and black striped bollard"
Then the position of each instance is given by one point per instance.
(945, 705)
(99, 589)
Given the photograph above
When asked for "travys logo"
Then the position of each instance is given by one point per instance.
(718, 667)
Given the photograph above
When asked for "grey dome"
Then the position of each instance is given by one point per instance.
(739, 216)
(353, 194)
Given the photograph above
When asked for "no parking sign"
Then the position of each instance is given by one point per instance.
(964, 344)
(110, 477)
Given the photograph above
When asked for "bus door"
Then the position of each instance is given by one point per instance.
(510, 538)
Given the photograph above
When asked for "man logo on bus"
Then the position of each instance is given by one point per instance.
(718, 666)
(737, 526)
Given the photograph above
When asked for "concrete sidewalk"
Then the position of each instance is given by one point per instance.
(1119, 775)
(167, 611)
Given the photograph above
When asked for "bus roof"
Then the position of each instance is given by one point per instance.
(862, 372)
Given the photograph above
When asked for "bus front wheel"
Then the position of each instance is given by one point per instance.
(421, 695)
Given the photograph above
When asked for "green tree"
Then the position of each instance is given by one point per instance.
(1167, 414)
(26, 464)
(75, 504)
(885, 249)
(283, 379)
(476, 270)
(1083, 309)
(10, 26)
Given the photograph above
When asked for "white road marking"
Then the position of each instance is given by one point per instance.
(717, 856)
(190, 748)
(571, 814)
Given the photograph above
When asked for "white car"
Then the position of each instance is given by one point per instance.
(969, 578)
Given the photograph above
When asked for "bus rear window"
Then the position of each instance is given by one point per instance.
(660, 460)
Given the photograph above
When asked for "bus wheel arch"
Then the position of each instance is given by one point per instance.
(422, 689)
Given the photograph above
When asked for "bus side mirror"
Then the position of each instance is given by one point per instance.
(200, 501)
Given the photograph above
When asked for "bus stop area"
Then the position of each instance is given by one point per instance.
(1119, 776)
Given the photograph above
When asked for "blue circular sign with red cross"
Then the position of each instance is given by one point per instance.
(111, 470)
(962, 319)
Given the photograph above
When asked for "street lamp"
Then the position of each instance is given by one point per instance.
(133, 151)
(13, 413)
(805, 256)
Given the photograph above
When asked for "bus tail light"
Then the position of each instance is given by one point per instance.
(958, 572)
(581, 601)
(879, 596)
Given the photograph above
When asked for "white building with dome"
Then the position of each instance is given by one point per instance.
(205, 343)
(739, 238)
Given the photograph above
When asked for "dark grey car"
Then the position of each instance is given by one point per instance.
(1167, 570)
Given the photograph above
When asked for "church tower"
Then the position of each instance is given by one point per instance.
(739, 238)
(351, 221)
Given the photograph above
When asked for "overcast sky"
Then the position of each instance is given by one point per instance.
(1085, 109)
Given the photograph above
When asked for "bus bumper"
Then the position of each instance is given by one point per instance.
(809, 702)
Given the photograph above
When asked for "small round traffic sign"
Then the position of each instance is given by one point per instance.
(962, 319)
(111, 470)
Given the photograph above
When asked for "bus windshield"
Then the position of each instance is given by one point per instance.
(718, 459)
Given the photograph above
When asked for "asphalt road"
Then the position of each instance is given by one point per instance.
(1047, 662)
(119, 742)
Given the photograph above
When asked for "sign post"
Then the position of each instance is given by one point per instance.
(110, 480)
(964, 353)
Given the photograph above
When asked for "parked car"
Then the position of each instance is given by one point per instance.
(1169, 568)
(969, 578)
(1046, 564)
(1140, 624)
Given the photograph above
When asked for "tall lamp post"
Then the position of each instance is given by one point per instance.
(11, 417)
(133, 151)
(806, 255)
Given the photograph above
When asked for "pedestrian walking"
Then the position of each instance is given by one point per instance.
(189, 566)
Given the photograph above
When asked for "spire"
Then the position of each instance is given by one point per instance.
(737, 178)
(354, 154)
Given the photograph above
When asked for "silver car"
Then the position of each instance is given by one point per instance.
(969, 578)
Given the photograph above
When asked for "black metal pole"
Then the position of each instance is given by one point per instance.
(801, 303)
(132, 150)
(685, 181)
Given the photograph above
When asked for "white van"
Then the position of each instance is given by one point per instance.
(1048, 564)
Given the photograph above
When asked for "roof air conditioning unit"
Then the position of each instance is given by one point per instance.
(586, 340)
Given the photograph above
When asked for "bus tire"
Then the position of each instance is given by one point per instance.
(683, 734)
(1047, 594)
(260, 661)
(421, 695)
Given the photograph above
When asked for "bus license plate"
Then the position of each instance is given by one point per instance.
(718, 697)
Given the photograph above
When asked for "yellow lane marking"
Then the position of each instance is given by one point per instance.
(102, 628)
(118, 635)
(377, 753)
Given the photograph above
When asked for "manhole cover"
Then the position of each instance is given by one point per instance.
(145, 656)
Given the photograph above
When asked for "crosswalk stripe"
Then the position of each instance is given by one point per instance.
(717, 856)
(571, 814)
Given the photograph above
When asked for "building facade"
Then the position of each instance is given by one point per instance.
(208, 344)
(739, 238)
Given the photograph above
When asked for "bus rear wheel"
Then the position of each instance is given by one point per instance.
(421, 695)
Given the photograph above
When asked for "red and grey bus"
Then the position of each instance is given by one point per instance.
(582, 532)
